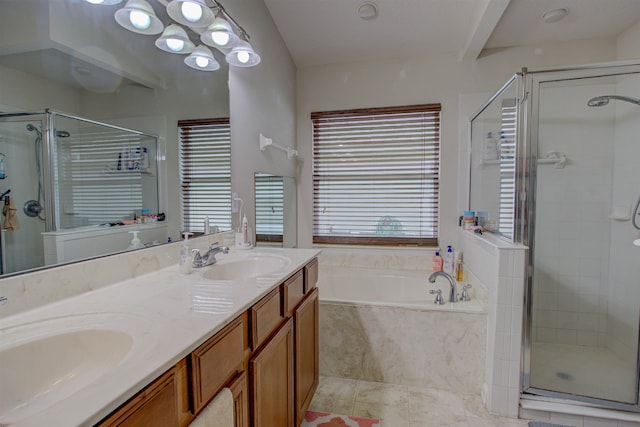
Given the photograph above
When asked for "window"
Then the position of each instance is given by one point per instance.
(205, 173)
(376, 175)
(269, 193)
(506, 214)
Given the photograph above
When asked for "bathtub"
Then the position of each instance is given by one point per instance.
(392, 288)
(382, 325)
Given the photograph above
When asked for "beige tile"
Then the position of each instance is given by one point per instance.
(390, 415)
(435, 398)
(382, 393)
(337, 388)
(482, 422)
(331, 404)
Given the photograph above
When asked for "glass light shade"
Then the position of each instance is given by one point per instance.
(243, 55)
(192, 13)
(138, 16)
(104, 2)
(202, 59)
(174, 39)
(219, 34)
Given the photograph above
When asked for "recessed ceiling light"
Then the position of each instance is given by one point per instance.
(367, 11)
(85, 71)
(554, 15)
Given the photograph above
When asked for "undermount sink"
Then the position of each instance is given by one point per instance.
(46, 362)
(245, 267)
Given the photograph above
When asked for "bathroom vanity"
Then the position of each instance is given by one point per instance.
(172, 342)
(267, 356)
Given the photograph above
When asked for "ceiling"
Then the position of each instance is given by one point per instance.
(320, 32)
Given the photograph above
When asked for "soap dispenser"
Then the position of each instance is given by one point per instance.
(449, 262)
(135, 242)
(185, 255)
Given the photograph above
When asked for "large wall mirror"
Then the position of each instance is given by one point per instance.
(275, 198)
(72, 56)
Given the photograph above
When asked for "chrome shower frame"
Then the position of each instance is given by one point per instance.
(526, 179)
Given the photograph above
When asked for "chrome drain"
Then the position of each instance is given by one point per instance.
(564, 376)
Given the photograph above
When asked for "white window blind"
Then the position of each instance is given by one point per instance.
(376, 175)
(508, 133)
(97, 183)
(269, 193)
(205, 173)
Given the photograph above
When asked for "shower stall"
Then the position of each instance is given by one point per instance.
(62, 172)
(554, 166)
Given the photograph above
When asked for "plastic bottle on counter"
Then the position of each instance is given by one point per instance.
(449, 262)
(185, 255)
(436, 262)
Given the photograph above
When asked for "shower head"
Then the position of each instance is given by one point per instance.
(31, 128)
(600, 101)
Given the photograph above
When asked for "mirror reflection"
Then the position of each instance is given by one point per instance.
(91, 71)
(275, 207)
(492, 173)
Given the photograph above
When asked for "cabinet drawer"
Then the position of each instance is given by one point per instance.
(293, 290)
(266, 316)
(156, 405)
(216, 362)
(311, 275)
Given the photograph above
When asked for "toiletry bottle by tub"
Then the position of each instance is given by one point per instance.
(449, 261)
(185, 255)
(459, 270)
(436, 262)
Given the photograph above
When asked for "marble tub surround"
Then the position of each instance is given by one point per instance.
(172, 320)
(37, 288)
(409, 341)
(422, 348)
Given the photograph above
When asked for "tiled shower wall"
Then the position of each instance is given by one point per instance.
(571, 226)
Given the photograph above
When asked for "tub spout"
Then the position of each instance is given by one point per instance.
(453, 292)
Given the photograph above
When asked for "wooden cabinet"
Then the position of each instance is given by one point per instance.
(271, 376)
(156, 405)
(266, 315)
(240, 391)
(307, 368)
(267, 356)
(217, 361)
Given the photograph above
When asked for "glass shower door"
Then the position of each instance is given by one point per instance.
(584, 288)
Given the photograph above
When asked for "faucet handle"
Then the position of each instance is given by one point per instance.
(439, 300)
(214, 245)
(465, 294)
(197, 258)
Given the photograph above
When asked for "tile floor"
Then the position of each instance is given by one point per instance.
(404, 406)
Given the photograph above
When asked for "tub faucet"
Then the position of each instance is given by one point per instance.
(453, 292)
(208, 258)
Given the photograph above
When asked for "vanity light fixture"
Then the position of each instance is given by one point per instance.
(202, 59)
(219, 34)
(204, 19)
(243, 55)
(192, 13)
(138, 16)
(104, 2)
(174, 39)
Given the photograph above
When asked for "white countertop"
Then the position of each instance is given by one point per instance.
(169, 313)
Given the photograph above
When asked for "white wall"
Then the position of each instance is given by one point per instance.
(417, 81)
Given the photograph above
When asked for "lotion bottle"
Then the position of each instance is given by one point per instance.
(449, 262)
(185, 255)
(436, 262)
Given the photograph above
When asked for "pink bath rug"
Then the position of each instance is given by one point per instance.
(323, 419)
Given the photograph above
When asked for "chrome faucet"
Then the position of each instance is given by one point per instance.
(453, 292)
(208, 258)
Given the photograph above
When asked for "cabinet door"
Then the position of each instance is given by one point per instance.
(240, 390)
(306, 352)
(271, 376)
(156, 406)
